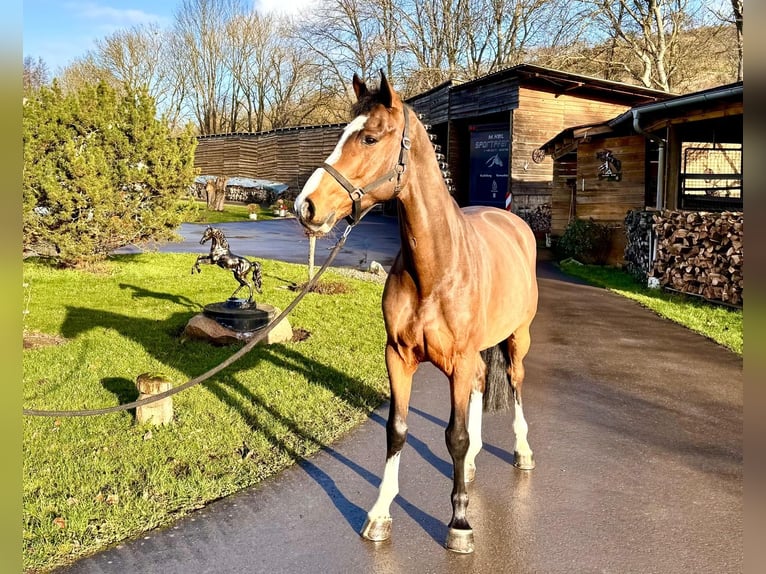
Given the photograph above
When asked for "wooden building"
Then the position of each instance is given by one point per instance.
(490, 128)
(684, 153)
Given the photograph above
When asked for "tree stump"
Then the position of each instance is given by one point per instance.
(159, 412)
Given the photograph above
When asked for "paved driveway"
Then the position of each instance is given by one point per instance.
(637, 429)
(376, 238)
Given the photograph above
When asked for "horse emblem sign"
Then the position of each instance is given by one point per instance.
(610, 167)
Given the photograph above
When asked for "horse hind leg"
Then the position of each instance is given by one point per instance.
(378, 525)
(475, 404)
(518, 346)
(257, 276)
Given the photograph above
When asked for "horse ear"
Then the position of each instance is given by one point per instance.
(360, 88)
(388, 96)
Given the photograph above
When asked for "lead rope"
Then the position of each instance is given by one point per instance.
(203, 377)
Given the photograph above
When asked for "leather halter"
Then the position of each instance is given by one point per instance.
(356, 193)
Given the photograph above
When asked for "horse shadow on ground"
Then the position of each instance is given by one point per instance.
(161, 341)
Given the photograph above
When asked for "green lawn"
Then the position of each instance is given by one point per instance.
(719, 323)
(231, 212)
(93, 481)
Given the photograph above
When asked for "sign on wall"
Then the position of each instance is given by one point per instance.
(490, 153)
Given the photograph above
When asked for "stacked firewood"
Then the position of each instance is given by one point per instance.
(539, 218)
(701, 253)
(638, 247)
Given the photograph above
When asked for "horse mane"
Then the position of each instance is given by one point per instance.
(365, 104)
(369, 100)
(220, 237)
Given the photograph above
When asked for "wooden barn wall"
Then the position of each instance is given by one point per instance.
(606, 201)
(286, 156)
(563, 186)
(541, 116)
(471, 100)
(434, 105)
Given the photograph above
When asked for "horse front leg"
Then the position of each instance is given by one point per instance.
(377, 527)
(195, 267)
(460, 534)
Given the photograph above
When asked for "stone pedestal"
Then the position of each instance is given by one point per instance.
(159, 412)
(224, 324)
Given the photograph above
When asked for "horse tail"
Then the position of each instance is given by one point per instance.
(498, 394)
(257, 276)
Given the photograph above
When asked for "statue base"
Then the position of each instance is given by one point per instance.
(240, 315)
(202, 327)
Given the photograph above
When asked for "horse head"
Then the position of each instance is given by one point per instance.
(367, 164)
(208, 235)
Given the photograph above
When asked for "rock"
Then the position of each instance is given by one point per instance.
(204, 328)
(376, 268)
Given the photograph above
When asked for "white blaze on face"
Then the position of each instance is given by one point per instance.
(357, 124)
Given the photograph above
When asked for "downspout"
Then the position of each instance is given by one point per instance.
(661, 143)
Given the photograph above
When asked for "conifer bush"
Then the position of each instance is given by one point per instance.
(101, 171)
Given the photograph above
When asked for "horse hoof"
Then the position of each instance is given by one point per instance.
(470, 473)
(523, 461)
(460, 541)
(377, 530)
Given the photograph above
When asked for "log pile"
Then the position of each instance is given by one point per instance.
(701, 253)
(539, 218)
(638, 247)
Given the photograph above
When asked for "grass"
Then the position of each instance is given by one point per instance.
(721, 324)
(231, 212)
(91, 482)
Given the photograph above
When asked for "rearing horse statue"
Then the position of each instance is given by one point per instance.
(221, 256)
(461, 293)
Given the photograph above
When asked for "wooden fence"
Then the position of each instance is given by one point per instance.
(288, 155)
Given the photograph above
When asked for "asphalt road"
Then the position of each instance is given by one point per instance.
(376, 238)
(637, 428)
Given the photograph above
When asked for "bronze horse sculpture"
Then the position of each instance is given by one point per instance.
(461, 293)
(221, 255)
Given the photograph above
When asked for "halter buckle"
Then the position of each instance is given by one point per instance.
(406, 143)
(356, 194)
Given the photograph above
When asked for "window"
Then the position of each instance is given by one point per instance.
(711, 176)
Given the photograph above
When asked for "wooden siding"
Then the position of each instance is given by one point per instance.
(472, 100)
(433, 105)
(606, 201)
(541, 115)
(288, 156)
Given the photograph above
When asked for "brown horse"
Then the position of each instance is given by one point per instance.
(462, 284)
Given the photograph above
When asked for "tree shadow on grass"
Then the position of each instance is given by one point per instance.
(159, 339)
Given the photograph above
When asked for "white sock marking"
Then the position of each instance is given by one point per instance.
(389, 488)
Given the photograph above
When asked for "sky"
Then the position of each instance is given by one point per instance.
(60, 31)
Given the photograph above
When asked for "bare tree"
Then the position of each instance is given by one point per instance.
(501, 33)
(250, 39)
(84, 71)
(138, 58)
(36, 74)
(199, 47)
(434, 35)
(737, 13)
(343, 36)
(650, 31)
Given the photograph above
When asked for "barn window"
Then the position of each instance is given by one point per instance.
(711, 176)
